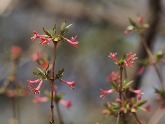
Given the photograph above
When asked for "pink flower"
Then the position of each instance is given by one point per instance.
(32, 83)
(36, 35)
(67, 104)
(138, 93)
(73, 41)
(104, 93)
(16, 52)
(130, 61)
(36, 57)
(37, 89)
(113, 56)
(45, 40)
(70, 84)
(113, 77)
(40, 99)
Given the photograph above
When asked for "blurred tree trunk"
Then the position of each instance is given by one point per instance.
(155, 11)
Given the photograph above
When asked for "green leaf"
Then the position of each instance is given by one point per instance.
(140, 103)
(115, 105)
(54, 30)
(133, 23)
(114, 85)
(67, 28)
(47, 32)
(40, 74)
(159, 55)
(59, 74)
(58, 98)
(62, 27)
(123, 57)
(127, 84)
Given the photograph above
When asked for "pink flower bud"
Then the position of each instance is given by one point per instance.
(16, 52)
(140, 20)
(113, 77)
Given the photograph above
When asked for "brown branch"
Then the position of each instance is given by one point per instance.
(155, 11)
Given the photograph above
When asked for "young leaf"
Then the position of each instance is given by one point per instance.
(54, 30)
(62, 27)
(132, 23)
(141, 103)
(47, 32)
(59, 74)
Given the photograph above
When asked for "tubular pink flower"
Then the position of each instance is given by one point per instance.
(32, 83)
(73, 41)
(113, 77)
(37, 90)
(67, 104)
(130, 61)
(138, 93)
(113, 56)
(45, 40)
(36, 35)
(70, 84)
(40, 99)
(104, 93)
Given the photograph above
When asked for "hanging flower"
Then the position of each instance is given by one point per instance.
(67, 104)
(70, 84)
(104, 93)
(73, 41)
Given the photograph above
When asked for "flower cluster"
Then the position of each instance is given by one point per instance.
(139, 26)
(124, 62)
(48, 37)
(121, 85)
(47, 70)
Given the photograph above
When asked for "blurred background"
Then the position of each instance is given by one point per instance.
(99, 25)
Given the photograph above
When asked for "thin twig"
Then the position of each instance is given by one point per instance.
(151, 57)
(137, 119)
(118, 117)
